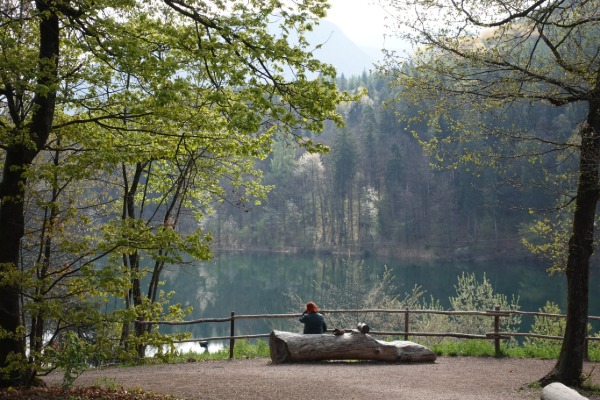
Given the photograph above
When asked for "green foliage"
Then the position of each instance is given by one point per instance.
(430, 322)
(465, 348)
(392, 200)
(594, 348)
(74, 357)
(191, 356)
(550, 326)
(547, 238)
(481, 67)
(355, 289)
(244, 349)
(538, 351)
(106, 383)
(444, 347)
(472, 295)
(358, 291)
(134, 125)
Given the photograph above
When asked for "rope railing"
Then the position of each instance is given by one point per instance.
(496, 335)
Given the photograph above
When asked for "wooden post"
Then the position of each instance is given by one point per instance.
(406, 317)
(232, 334)
(497, 331)
(586, 350)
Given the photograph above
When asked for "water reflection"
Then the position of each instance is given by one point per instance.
(260, 283)
(213, 347)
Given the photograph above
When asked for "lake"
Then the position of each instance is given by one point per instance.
(251, 283)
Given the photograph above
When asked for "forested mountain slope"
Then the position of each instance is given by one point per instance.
(378, 192)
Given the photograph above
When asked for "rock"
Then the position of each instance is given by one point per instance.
(558, 391)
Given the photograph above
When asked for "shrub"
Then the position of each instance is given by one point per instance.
(549, 326)
(480, 296)
(358, 290)
(74, 358)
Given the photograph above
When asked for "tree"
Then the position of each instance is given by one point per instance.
(134, 83)
(501, 54)
(344, 164)
(281, 165)
(309, 173)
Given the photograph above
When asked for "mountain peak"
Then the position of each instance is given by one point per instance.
(337, 49)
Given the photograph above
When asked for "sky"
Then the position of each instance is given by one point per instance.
(361, 20)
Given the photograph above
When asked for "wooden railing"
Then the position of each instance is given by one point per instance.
(496, 335)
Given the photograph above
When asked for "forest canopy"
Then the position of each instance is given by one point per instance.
(384, 189)
(121, 124)
(136, 135)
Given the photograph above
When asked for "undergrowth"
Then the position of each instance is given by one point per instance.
(451, 348)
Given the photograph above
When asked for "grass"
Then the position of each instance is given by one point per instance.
(242, 349)
(463, 348)
(483, 348)
(450, 348)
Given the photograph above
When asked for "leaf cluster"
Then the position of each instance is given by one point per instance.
(154, 111)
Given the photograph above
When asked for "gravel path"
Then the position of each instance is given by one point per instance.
(449, 378)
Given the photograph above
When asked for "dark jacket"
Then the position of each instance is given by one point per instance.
(313, 323)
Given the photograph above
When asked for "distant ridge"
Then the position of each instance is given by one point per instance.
(337, 49)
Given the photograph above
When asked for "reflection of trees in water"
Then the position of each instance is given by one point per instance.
(349, 284)
(205, 289)
(195, 285)
(275, 283)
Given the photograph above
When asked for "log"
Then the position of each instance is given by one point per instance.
(558, 391)
(290, 347)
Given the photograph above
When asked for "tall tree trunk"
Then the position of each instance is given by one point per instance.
(38, 320)
(569, 366)
(322, 214)
(12, 198)
(11, 232)
(131, 261)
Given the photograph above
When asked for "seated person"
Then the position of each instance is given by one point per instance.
(313, 321)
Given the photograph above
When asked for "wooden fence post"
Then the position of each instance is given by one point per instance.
(406, 324)
(232, 334)
(497, 331)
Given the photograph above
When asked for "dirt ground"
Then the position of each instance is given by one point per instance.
(448, 378)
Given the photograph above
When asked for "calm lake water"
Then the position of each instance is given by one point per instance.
(260, 284)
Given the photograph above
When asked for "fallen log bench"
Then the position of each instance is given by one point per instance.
(351, 345)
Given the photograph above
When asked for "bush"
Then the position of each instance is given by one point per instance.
(74, 358)
(358, 290)
(480, 296)
(470, 347)
(244, 349)
(549, 326)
